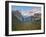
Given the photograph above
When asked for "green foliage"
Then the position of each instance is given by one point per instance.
(18, 25)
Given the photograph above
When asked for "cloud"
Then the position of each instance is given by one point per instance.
(31, 12)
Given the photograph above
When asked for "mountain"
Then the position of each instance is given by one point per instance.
(34, 14)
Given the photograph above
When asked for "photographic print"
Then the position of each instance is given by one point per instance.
(25, 18)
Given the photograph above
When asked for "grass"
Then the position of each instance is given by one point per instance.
(18, 25)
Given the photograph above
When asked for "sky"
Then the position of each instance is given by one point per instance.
(22, 8)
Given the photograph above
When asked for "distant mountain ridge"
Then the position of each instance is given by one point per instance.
(34, 14)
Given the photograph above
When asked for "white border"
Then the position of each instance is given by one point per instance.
(28, 31)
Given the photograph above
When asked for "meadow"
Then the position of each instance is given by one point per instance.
(17, 25)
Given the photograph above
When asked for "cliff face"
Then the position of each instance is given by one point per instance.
(22, 16)
(26, 16)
